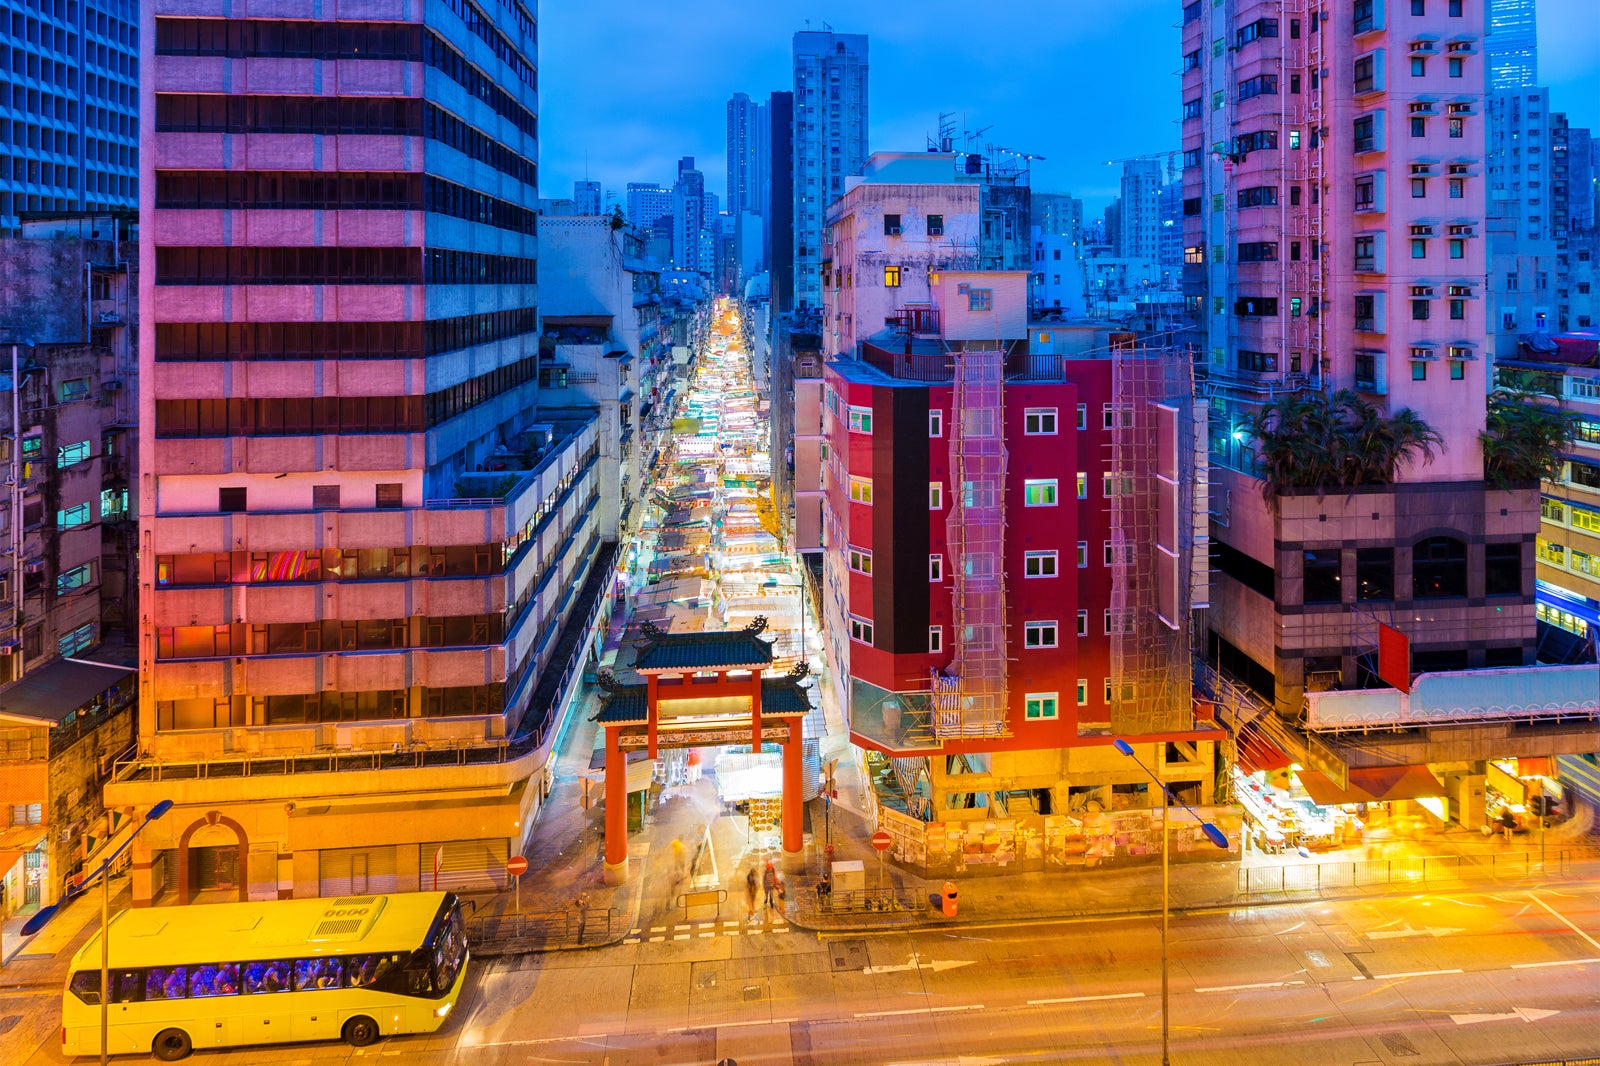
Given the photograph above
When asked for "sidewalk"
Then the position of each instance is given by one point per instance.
(1449, 857)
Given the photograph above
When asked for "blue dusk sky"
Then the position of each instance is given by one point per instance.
(627, 87)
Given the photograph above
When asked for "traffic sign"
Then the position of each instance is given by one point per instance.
(882, 840)
(516, 866)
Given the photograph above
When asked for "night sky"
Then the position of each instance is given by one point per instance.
(628, 87)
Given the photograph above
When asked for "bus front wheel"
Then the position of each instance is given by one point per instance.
(360, 1031)
(171, 1045)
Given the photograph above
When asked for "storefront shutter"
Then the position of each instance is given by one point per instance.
(357, 871)
(464, 865)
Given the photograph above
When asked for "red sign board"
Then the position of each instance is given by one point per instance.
(882, 840)
(516, 866)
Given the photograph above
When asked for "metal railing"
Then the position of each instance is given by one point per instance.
(886, 900)
(1416, 870)
(574, 926)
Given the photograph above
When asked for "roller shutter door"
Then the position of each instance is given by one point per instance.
(464, 865)
(357, 871)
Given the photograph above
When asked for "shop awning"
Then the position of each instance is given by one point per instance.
(55, 691)
(1256, 752)
(1372, 784)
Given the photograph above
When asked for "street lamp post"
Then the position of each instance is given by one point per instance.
(1213, 834)
(42, 918)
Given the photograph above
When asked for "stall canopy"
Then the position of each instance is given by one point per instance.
(1256, 752)
(1372, 784)
(52, 692)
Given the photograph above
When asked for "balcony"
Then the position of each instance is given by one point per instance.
(938, 367)
(915, 322)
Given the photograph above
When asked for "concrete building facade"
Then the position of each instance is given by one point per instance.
(69, 109)
(361, 541)
(829, 142)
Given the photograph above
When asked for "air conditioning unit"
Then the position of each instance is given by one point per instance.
(892, 231)
(111, 385)
(109, 318)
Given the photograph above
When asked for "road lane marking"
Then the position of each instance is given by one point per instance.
(919, 1010)
(1412, 973)
(1246, 988)
(732, 1025)
(1085, 999)
(681, 936)
(1592, 942)
(1558, 962)
(657, 939)
(631, 940)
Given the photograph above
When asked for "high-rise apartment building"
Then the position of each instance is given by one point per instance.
(69, 108)
(648, 203)
(1522, 277)
(689, 218)
(586, 197)
(1335, 210)
(777, 225)
(1139, 225)
(1512, 46)
(361, 542)
(829, 145)
(747, 134)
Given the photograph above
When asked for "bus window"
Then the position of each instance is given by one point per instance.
(126, 986)
(86, 986)
(166, 982)
(318, 973)
(419, 980)
(363, 970)
(270, 976)
(220, 980)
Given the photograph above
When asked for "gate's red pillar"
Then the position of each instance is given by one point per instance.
(793, 806)
(616, 871)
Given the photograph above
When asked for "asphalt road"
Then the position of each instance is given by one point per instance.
(1461, 979)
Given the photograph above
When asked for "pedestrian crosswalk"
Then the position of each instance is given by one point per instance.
(661, 934)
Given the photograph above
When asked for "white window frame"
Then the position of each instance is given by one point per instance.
(1083, 485)
(1036, 419)
(1050, 483)
(1041, 698)
(1083, 416)
(1049, 564)
(1083, 554)
(1083, 623)
(861, 630)
(935, 640)
(935, 495)
(935, 569)
(1083, 692)
(935, 422)
(1042, 634)
(859, 560)
(861, 490)
(861, 420)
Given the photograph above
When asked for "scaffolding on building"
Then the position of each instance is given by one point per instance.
(969, 697)
(1153, 494)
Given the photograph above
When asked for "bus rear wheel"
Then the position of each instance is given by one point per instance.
(360, 1031)
(171, 1045)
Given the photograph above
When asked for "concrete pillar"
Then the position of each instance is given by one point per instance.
(793, 807)
(616, 868)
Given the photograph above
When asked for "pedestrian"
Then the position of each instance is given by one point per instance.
(769, 883)
(694, 765)
(751, 884)
(679, 852)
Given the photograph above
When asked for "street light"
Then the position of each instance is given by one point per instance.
(42, 918)
(1213, 834)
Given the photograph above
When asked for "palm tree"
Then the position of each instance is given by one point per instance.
(1335, 442)
(1524, 438)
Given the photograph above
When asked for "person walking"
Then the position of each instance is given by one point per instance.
(751, 884)
(769, 883)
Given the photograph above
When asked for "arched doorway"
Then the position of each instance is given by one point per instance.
(212, 856)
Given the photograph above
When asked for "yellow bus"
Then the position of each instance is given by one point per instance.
(358, 967)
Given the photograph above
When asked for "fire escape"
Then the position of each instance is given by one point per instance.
(969, 699)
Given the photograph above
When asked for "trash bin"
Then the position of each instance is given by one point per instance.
(947, 899)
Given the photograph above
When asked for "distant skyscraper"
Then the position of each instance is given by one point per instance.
(746, 159)
(648, 203)
(1512, 44)
(830, 141)
(586, 197)
(778, 223)
(71, 80)
(688, 216)
(1140, 224)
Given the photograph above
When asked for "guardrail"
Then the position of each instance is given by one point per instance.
(705, 897)
(574, 926)
(1321, 876)
(886, 900)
